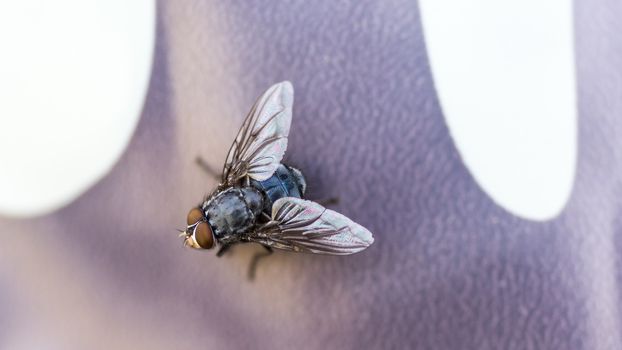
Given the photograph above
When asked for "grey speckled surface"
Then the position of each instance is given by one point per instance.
(449, 269)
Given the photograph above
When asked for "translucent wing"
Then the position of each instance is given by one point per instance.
(262, 140)
(305, 226)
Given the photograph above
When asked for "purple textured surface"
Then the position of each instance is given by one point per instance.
(449, 268)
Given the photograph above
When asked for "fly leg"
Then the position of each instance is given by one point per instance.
(223, 250)
(252, 268)
(207, 168)
(327, 202)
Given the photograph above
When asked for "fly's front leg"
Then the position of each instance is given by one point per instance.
(223, 250)
(207, 168)
(252, 268)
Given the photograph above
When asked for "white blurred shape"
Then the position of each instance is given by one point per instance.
(505, 76)
(73, 78)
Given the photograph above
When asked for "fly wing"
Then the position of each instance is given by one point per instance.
(262, 140)
(305, 226)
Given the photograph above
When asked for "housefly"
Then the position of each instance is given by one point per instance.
(260, 200)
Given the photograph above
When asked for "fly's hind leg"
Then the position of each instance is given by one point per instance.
(252, 268)
(207, 168)
(328, 202)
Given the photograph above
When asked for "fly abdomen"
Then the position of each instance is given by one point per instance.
(285, 182)
(234, 211)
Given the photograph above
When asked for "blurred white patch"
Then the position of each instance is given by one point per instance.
(73, 78)
(505, 75)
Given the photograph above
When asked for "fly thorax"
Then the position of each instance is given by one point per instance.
(234, 211)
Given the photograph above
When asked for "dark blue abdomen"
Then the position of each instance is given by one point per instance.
(285, 182)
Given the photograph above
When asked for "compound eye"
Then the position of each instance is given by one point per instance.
(195, 215)
(203, 235)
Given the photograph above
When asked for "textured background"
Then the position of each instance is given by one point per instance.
(449, 269)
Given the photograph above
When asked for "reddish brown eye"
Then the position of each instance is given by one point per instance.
(203, 235)
(195, 215)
